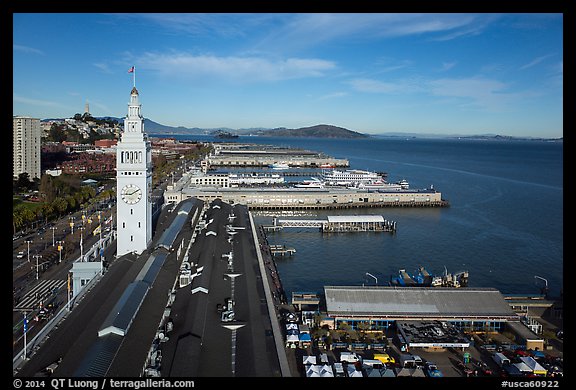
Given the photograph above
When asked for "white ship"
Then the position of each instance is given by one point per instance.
(279, 165)
(349, 177)
(383, 185)
(236, 179)
(312, 183)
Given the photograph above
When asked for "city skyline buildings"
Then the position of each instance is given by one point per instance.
(372, 73)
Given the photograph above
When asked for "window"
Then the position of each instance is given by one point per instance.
(123, 224)
(131, 238)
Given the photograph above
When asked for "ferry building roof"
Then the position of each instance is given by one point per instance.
(396, 303)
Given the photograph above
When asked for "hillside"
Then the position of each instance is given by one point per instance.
(320, 131)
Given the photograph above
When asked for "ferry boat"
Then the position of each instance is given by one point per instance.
(382, 185)
(349, 177)
(280, 165)
(236, 179)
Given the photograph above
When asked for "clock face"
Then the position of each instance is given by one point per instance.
(131, 194)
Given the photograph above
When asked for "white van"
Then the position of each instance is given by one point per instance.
(350, 357)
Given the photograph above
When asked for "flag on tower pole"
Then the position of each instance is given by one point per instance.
(133, 71)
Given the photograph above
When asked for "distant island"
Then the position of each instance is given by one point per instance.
(224, 134)
(319, 131)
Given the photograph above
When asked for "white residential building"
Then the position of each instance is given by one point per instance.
(26, 146)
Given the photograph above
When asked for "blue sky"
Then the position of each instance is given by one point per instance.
(368, 72)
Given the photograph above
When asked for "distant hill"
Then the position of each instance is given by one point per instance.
(319, 131)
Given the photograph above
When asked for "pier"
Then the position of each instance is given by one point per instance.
(339, 223)
(281, 250)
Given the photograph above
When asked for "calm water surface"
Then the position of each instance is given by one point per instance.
(504, 224)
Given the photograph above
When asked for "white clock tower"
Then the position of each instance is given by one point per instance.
(133, 183)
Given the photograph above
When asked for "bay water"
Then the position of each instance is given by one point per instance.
(504, 224)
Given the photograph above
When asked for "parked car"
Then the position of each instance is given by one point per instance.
(20, 255)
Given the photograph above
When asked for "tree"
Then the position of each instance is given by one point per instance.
(60, 205)
(23, 182)
(57, 132)
(17, 219)
(47, 188)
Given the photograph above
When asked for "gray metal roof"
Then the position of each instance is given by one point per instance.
(428, 302)
(121, 316)
(169, 235)
(355, 218)
(152, 267)
(99, 357)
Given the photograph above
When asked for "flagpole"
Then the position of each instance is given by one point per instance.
(25, 330)
(134, 76)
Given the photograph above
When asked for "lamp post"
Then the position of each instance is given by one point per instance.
(100, 231)
(60, 247)
(29, 242)
(81, 247)
(72, 224)
(37, 268)
(53, 228)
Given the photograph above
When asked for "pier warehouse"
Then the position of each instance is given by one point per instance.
(292, 198)
(470, 308)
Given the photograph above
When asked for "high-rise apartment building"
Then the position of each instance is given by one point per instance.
(26, 146)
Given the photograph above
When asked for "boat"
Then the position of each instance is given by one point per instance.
(422, 278)
(236, 179)
(327, 166)
(378, 185)
(312, 183)
(279, 165)
(349, 177)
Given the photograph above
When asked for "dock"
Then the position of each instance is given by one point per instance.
(281, 250)
(338, 224)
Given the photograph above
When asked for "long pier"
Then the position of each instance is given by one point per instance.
(339, 223)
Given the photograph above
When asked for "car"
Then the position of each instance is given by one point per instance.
(384, 358)
(20, 255)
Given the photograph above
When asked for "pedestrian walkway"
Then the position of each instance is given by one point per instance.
(39, 293)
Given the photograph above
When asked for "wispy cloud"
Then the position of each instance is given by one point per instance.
(38, 102)
(236, 69)
(104, 67)
(474, 92)
(447, 66)
(377, 86)
(477, 92)
(535, 61)
(333, 95)
(305, 30)
(27, 49)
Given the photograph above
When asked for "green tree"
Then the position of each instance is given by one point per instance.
(72, 205)
(47, 188)
(57, 132)
(28, 216)
(23, 182)
(17, 219)
(60, 205)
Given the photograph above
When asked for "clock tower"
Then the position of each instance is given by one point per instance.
(133, 183)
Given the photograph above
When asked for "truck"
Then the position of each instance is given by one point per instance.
(501, 359)
(349, 357)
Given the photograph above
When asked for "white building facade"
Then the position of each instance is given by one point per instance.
(26, 146)
(133, 183)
